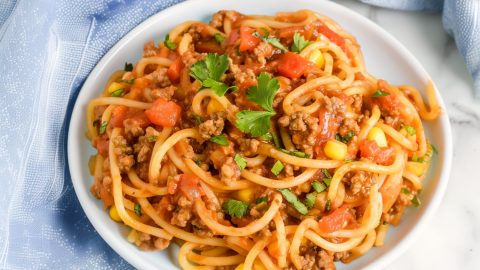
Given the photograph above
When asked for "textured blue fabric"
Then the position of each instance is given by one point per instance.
(47, 48)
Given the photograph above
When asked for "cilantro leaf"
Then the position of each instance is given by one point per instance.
(152, 138)
(406, 191)
(275, 42)
(209, 72)
(277, 167)
(138, 209)
(296, 153)
(220, 139)
(299, 43)
(218, 87)
(310, 199)
(128, 66)
(255, 123)
(216, 65)
(103, 127)
(293, 200)
(199, 71)
(416, 201)
(235, 208)
(261, 200)
(241, 162)
(410, 130)
(169, 43)
(219, 38)
(264, 92)
(117, 93)
(380, 93)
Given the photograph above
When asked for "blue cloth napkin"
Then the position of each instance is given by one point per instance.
(47, 49)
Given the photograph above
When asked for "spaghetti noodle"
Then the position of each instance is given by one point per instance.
(258, 142)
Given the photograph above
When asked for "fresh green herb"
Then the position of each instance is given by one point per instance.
(326, 173)
(345, 139)
(131, 81)
(299, 43)
(296, 153)
(293, 200)
(210, 71)
(380, 93)
(264, 92)
(415, 158)
(152, 138)
(416, 201)
(169, 43)
(276, 140)
(128, 66)
(328, 205)
(327, 181)
(138, 209)
(265, 31)
(434, 149)
(117, 93)
(406, 191)
(241, 162)
(268, 137)
(220, 139)
(198, 119)
(235, 208)
(277, 167)
(219, 38)
(310, 199)
(318, 187)
(260, 200)
(410, 130)
(103, 127)
(255, 123)
(275, 42)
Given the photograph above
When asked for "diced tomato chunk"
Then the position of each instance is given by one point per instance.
(388, 103)
(371, 150)
(328, 125)
(173, 72)
(119, 113)
(336, 220)
(332, 36)
(247, 40)
(292, 65)
(233, 37)
(189, 185)
(164, 113)
(139, 117)
(101, 143)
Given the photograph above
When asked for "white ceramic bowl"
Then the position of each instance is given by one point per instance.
(384, 56)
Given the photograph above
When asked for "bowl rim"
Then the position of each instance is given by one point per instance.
(386, 258)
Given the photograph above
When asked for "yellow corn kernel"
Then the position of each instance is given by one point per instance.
(214, 106)
(416, 168)
(239, 267)
(91, 164)
(114, 86)
(376, 134)
(245, 195)
(258, 265)
(335, 150)
(317, 58)
(132, 236)
(114, 214)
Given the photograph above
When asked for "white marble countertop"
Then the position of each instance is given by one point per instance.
(452, 239)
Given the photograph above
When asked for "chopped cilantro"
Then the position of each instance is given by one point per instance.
(299, 43)
(296, 153)
(275, 42)
(264, 92)
(103, 127)
(277, 167)
(117, 93)
(293, 200)
(241, 162)
(260, 200)
(128, 66)
(380, 93)
(219, 38)
(169, 43)
(198, 119)
(416, 201)
(210, 71)
(151, 138)
(255, 123)
(138, 209)
(345, 139)
(235, 208)
(220, 139)
(410, 130)
(406, 191)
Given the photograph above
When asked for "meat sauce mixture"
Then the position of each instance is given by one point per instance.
(249, 53)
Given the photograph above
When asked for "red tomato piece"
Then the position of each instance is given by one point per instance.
(292, 65)
(119, 113)
(247, 40)
(189, 185)
(164, 113)
(335, 221)
(233, 37)
(173, 72)
(332, 36)
(327, 124)
(371, 150)
(101, 143)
